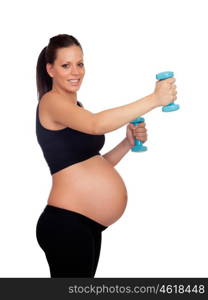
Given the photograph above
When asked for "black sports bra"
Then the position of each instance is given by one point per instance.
(64, 147)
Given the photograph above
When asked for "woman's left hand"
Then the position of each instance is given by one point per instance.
(136, 131)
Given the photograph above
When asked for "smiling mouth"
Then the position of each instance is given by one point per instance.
(73, 80)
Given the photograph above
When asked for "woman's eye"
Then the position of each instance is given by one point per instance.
(68, 64)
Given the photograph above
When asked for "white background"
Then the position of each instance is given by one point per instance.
(163, 232)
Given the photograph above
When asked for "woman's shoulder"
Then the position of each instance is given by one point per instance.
(51, 94)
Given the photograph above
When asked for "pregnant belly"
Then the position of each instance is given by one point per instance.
(93, 188)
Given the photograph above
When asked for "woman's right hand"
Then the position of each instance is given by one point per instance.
(165, 92)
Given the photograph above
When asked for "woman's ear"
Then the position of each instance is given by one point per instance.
(49, 69)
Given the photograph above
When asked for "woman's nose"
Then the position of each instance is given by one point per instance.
(75, 70)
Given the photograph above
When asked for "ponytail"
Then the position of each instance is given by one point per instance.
(43, 80)
(48, 55)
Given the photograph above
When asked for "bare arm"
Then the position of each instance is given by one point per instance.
(62, 111)
(118, 152)
(114, 118)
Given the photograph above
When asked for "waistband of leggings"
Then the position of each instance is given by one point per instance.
(63, 211)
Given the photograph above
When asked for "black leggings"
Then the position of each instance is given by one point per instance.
(70, 240)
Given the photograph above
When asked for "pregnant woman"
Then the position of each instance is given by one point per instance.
(87, 193)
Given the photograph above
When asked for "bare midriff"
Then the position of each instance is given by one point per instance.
(93, 188)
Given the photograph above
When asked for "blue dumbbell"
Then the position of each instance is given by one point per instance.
(172, 106)
(138, 145)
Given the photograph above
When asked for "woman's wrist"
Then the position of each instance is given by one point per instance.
(127, 143)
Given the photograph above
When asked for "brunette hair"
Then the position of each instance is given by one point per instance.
(48, 55)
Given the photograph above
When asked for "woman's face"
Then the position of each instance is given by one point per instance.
(68, 65)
